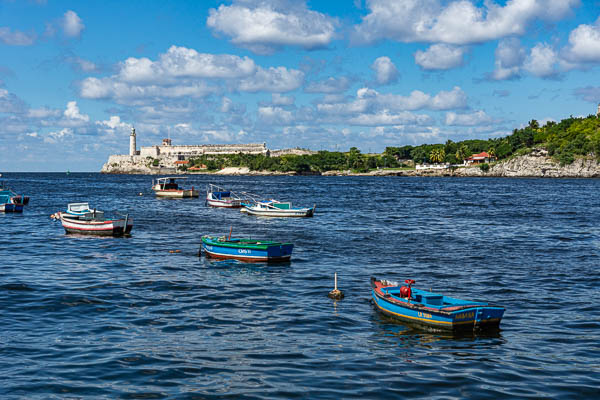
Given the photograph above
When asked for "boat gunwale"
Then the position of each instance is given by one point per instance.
(258, 244)
(392, 299)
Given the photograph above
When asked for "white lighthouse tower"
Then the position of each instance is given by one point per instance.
(598, 112)
(132, 145)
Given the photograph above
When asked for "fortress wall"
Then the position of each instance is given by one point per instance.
(191, 150)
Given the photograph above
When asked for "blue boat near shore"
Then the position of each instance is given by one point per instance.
(433, 310)
(249, 250)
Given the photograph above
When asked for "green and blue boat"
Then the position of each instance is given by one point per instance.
(248, 250)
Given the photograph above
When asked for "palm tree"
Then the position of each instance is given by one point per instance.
(492, 152)
(437, 155)
(462, 152)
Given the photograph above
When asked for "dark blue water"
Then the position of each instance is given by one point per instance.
(85, 317)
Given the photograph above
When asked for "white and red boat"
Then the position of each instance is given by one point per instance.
(217, 196)
(167, 187)
(79, 218)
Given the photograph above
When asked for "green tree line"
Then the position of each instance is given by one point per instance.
(565, 141)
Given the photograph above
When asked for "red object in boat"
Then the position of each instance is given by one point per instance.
(405, 291)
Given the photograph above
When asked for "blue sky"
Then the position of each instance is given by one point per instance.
(75, 76)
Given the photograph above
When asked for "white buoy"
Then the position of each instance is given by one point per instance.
(335, 293)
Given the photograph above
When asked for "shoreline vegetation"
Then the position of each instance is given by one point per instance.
(569, 148)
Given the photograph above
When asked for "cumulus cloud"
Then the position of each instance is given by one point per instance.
(510, 56)
(329, 85)
(273, 79)
(280, 100)
(11, 103)
(472, 119)
(264, 26)
(72, 24)
(440, 57)
(182, 62)
(16, 38)
(275, 115)
(370, 101)
(385, 70)
(542, 61)
(182, 72)
(457, 22)
(584, 44)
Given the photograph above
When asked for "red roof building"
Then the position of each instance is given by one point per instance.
(480, 158)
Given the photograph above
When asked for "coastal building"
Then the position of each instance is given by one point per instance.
(480, 158)
(132, 145)
(166, 157)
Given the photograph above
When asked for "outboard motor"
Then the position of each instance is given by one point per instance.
(405, 291)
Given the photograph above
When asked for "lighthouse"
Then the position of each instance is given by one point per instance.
(598, 112)
(132, 146)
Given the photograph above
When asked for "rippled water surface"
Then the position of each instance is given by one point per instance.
(130, 318)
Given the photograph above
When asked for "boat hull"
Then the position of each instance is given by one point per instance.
(454, 318)
(176, 193)
(275, 252)
(224, 203)
(298, 213)
(95, 227)
(10, 207)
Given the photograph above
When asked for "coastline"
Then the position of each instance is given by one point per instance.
(537, 164)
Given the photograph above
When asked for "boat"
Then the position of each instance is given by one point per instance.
(167, 187)
(250, 250)
(217, 196)
(433, 310)
(80, 218)
(11, 201)
(274, 208)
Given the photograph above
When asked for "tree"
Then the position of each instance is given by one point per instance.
(437, 155)
(462, 152)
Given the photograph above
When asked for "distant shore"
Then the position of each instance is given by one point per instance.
(536, 164)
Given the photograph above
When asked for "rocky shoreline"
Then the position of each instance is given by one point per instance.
(536, 164)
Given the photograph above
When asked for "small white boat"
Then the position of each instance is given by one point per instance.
(168, 188)
(217, 196)
(79, 218)
(274, 208)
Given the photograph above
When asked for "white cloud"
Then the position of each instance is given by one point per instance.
(456, 22)
(275, 115)
(584, 44)
(273, 79)
(385, 117)
(72, 24)
(16, 38)
(72, 112)
(329, 85)
(182, 62)
(267, 25)
(58, 136)
(385, 70)
(542, 61)
(279, 100)
(82, 65)
(113, 123)
(510, 56)
(440, 56)
(472, 119)
(455, 98)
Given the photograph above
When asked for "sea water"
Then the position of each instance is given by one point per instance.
(146, 317)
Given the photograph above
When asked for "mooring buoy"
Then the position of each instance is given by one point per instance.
(335, 293)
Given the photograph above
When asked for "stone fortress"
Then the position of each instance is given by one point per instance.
(164, 158)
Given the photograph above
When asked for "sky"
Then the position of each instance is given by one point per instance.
(76, 76)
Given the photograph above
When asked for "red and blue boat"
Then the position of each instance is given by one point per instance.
(248, 250)
(407, 304)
